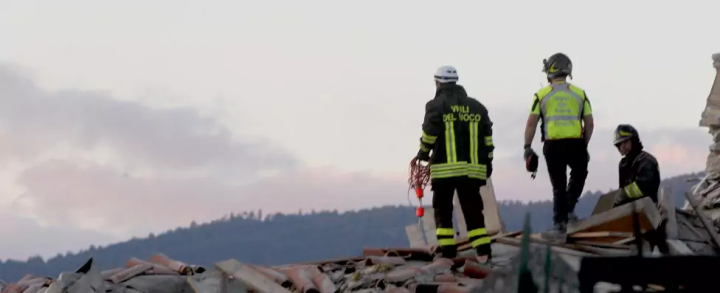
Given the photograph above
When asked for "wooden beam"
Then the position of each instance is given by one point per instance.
(602, 245)
(624, 241)
(619, 219)
(600, 234)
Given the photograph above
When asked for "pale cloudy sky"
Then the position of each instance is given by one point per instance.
(127, 117)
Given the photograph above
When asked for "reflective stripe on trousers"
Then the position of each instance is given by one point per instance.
(478, 237)
(445, 236)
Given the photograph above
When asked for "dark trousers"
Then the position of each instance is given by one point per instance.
(468, 191)
(658, 238)
(560, 154)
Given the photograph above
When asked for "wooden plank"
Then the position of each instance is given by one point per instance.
(605, 202)
(251, 278)
(600, 234)
(602, 244)
(509, 234)
(554, 246)
(415, 235)
(464, 244)
(668, 200)
(619, 219)
(428, 227)
(579, 250)
(493, 223)
(624, 241)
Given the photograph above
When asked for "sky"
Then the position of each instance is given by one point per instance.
(123, 118)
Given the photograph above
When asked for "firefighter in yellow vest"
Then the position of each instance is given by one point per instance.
(567, 125)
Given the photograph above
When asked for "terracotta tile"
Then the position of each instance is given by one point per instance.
(302, 279)
(174, 265)
(274, 275)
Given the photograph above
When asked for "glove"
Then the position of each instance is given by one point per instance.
(531, 161)
(620, 199)
(528, 152)
(423, 156)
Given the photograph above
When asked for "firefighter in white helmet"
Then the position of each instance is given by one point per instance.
(458, 131)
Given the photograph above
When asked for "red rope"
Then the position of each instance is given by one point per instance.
(418, 180)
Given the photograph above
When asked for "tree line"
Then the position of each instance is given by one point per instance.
(289, 238)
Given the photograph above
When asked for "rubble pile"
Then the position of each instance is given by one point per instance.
(400, 270)
(708, 190)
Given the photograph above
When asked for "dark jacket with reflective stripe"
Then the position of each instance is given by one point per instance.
(639, 177)
(458, 130)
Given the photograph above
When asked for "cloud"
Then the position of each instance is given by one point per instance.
(90, 169)
(78, 162)
(98, 198)
(35, 122)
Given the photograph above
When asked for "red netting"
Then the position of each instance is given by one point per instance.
(418, 180)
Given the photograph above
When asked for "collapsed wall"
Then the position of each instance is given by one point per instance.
(707, 192)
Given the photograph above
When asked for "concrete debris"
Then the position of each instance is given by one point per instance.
(707, 192)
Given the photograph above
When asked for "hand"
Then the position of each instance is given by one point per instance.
(528, 151)
(620, 198)
(423, 156)
(588, 155)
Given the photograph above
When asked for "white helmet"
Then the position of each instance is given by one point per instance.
(446, 74)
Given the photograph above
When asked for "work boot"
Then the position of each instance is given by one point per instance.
(556, 233)
(484, 259)
(572, 218)
(449, 252)
(483, 254)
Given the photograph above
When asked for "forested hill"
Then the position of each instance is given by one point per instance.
(279, 238)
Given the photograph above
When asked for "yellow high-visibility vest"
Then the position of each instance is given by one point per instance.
(562, 107)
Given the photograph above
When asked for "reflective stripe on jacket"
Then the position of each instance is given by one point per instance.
(458, 130)
(639, 177)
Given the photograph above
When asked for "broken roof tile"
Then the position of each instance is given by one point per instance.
(389, 269)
